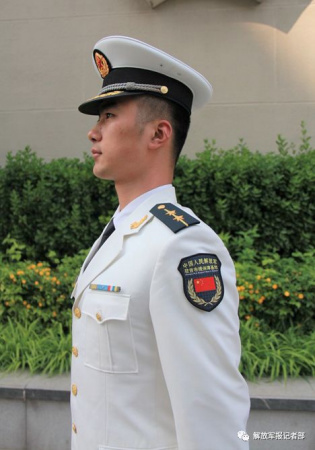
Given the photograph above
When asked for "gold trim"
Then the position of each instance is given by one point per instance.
(136, 224)
(107, 94)
(77, 313)
(176, 217)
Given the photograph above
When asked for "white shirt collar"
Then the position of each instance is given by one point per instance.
(120, 216)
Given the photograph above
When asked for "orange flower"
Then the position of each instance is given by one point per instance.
(54, 314)
(261, 300)
(23, 281)
(268, 279)
(287, 294)
(247, 317)
(36, 283)
(300, 296)
(274, 286)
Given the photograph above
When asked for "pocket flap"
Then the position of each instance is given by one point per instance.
(104, 306)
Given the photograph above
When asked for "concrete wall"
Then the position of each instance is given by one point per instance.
(35, 413)
(260, 58)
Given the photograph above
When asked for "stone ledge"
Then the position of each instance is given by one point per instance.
(34, 394)
(282, 404)
(293, 395)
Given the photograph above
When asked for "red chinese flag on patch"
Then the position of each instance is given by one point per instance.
(204, 284)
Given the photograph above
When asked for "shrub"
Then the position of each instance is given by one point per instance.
(61, 206)
(273, 354)
(26, 345)
(236, 190)
(36, 292)
(276, 328)
(55, 206)
(278, 293)
(264, 354)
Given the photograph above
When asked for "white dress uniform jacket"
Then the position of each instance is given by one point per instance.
(150, 371)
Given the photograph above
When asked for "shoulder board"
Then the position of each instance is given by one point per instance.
(172, 216)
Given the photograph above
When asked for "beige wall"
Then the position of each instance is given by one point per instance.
(260, 59)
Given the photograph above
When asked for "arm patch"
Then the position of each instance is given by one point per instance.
(202, 280)
(173, 217)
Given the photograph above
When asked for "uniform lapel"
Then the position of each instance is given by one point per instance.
(100, 261)
(114, 244)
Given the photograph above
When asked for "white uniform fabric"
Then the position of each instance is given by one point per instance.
(150, 371)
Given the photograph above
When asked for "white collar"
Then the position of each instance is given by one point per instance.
(120, 216)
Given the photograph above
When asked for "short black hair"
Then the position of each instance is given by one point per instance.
(152, 107)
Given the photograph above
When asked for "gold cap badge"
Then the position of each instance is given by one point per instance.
(101, 64)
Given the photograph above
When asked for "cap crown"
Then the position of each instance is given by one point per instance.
(131, 67)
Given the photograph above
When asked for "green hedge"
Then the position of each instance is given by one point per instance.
(277, 314)
(61, 206)
(277, 293)
(238, 190)
(56, 206)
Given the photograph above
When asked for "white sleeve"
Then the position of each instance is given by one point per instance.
(200, 350)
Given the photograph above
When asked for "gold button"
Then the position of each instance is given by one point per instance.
(77, 313)
(74, 389)
(98, 316)
(164, 89)
(74, 428)
(75, 351)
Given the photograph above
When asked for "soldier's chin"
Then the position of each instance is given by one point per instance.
(101, 173)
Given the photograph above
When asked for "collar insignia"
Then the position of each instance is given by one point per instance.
(136, 224)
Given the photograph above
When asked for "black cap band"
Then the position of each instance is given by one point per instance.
(119, 82)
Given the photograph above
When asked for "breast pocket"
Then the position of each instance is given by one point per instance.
(109, 344)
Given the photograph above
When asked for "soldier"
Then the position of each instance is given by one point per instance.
(156, 343)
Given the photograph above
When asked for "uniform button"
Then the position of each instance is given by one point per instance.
(74, 428)
(77, 313)
(75, 351)
(98, 316)
(74, 389)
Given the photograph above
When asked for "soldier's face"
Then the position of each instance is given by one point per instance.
(119, 142)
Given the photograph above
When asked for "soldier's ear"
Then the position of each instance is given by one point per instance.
(162, 133)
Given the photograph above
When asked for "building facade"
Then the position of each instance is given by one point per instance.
(258, 55)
